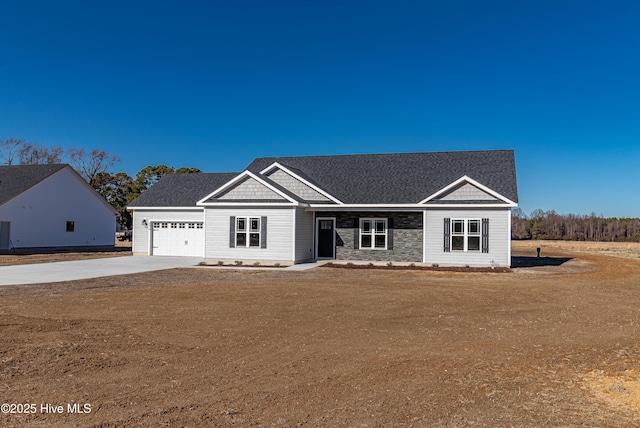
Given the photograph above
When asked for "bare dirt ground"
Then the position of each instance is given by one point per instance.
(121, 249)
(556, 344)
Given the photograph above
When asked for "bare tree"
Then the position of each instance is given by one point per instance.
(34, 154)
(10, 150)
(572, 227)
(90, 164)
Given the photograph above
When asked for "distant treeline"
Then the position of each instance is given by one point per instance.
(571, 227)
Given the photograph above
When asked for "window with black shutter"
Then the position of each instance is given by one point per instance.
(248, 232)
(373, 233)
(468, 235)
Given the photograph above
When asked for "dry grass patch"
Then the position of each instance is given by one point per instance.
(620, 249)
(617, 389)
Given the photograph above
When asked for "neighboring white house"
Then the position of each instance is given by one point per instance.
(51, 206)
(447, 208)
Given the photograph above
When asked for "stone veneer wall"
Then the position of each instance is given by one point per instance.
(407, 236)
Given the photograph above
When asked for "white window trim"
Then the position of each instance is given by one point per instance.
(247, 231)
(466, 235)
(373, 233)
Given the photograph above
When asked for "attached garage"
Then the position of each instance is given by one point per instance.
(177, 238)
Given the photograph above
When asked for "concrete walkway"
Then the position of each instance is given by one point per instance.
(307, 266)
(84, 269)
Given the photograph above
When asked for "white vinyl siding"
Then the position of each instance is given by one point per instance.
(499, 238)
(40, 215)
(141, 238)
(304, 235)
(279, 234)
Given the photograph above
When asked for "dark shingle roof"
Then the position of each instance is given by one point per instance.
(401, 178)
(182, 190)
(16, 179)
(397, 178)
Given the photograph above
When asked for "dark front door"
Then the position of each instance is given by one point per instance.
(4, 235)
(326, 234)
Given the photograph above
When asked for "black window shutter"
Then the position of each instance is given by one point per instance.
(232, 232)
(356, 234)
(263, 232)
(389, 234)
(485, 235)
(447, 235)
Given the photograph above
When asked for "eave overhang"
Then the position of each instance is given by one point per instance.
(403, 207)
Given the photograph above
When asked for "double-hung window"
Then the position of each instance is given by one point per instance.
(247, 231)
(373, 233)
(465, 234)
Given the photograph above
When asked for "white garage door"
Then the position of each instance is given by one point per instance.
(177, 238)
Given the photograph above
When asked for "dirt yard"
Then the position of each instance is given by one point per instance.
(120, 249)
(553, 343)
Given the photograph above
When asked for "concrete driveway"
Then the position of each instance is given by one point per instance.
(83, 269)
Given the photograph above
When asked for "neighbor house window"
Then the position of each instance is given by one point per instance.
(373, 233)
(71, 226)
(247, 231)
(467, 235)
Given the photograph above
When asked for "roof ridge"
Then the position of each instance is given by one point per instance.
(386, 154)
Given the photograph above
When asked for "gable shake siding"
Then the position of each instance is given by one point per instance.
(296, 187)
(467, 192)
(249, 189)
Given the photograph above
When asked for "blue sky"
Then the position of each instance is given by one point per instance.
(214, 84)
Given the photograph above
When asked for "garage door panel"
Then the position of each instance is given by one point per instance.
(178, 239)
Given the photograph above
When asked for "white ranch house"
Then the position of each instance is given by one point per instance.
(446, 208)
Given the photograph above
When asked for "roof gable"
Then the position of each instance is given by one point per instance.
(294, 181)
(249, 188)
(466, 190)
(17, 179)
